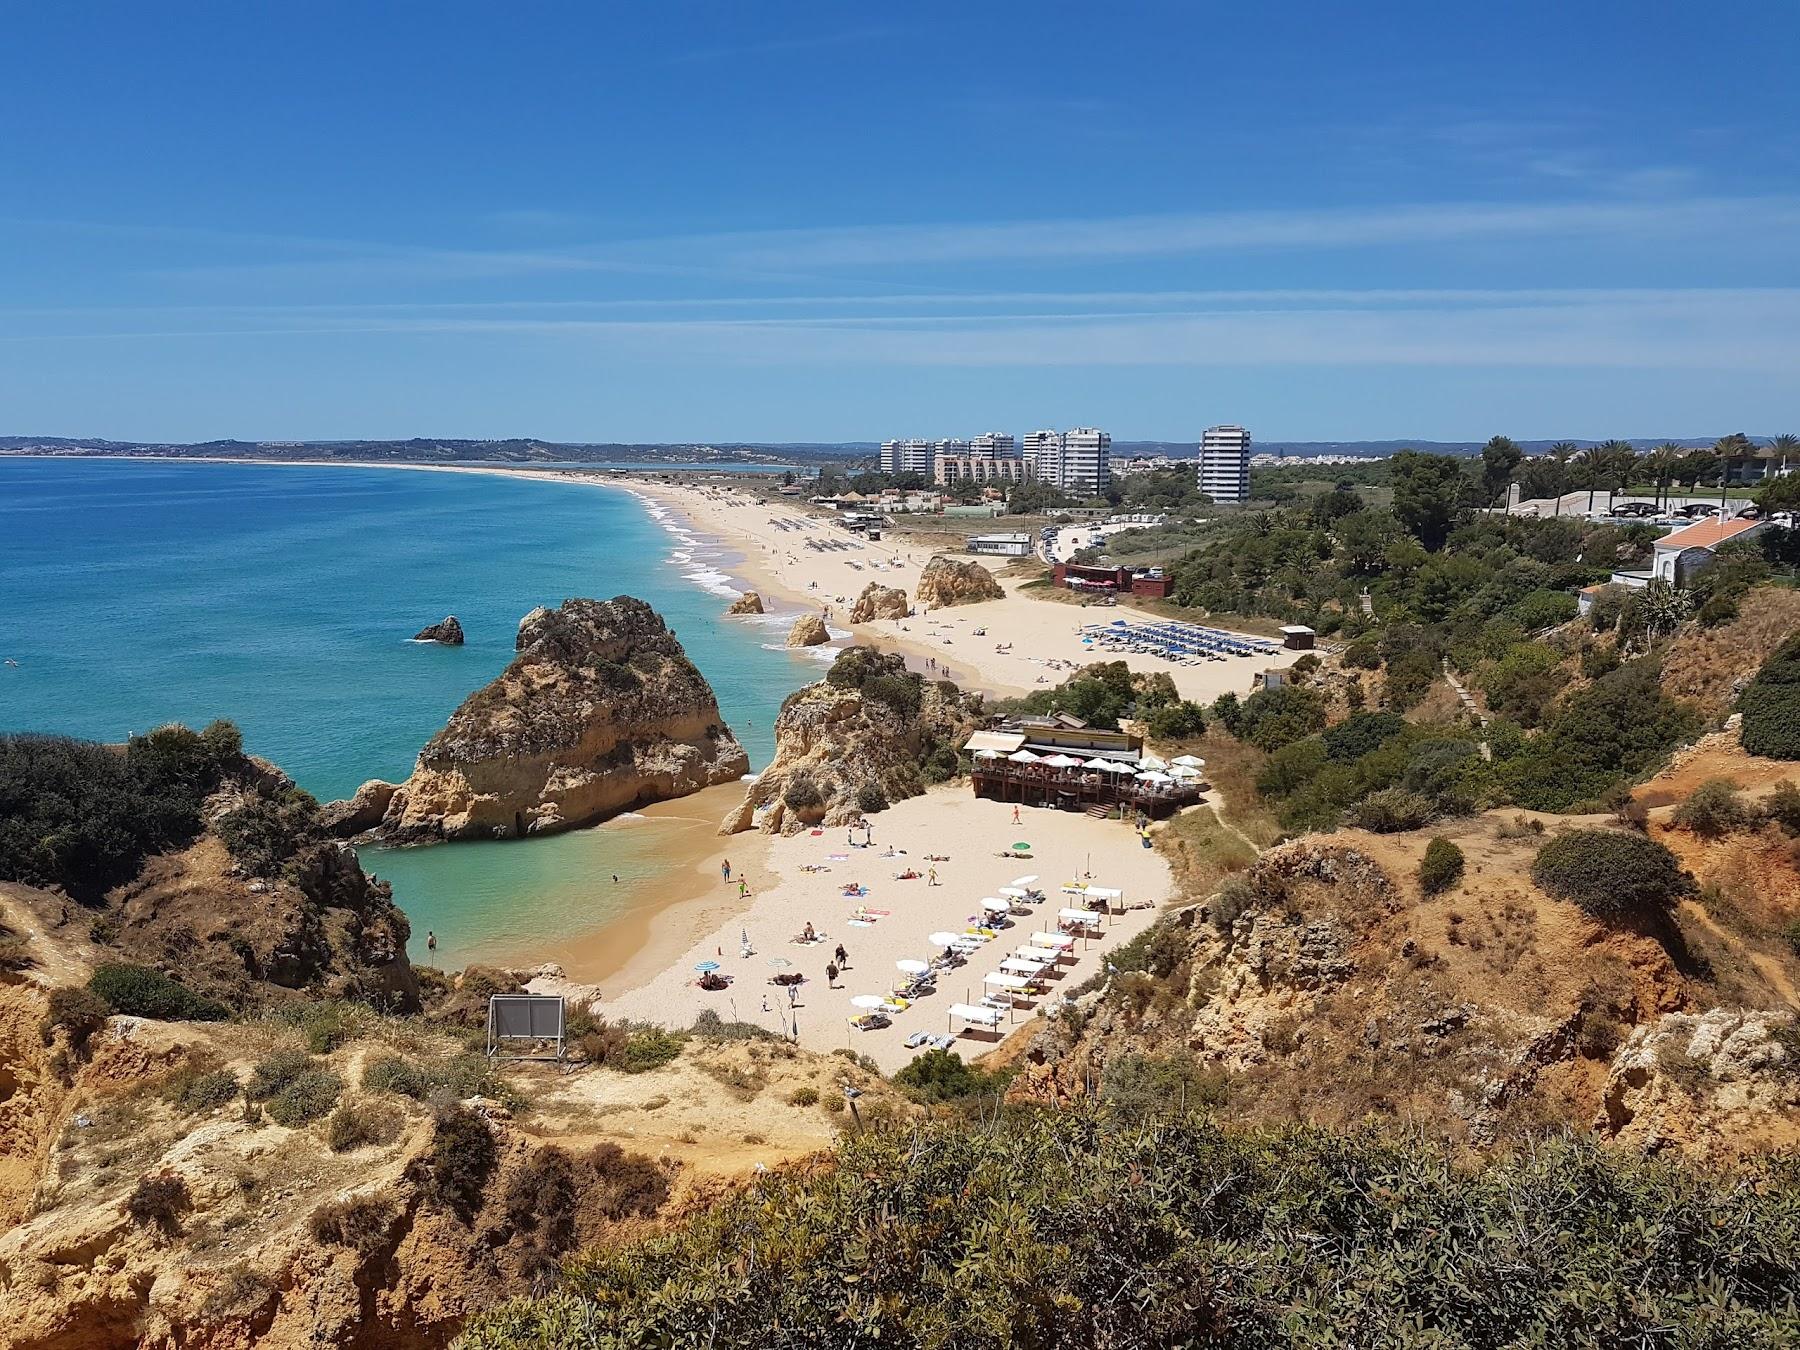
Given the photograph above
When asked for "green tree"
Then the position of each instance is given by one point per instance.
(1499, 461)
(1429, 493)
(1561, 453)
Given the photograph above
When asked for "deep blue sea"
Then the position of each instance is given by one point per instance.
(137, 593)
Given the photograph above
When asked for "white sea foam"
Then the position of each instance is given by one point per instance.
(719, 583)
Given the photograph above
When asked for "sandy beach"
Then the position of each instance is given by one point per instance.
(969, 834)
(1041, 638)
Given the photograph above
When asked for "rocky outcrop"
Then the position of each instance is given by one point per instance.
(946, 582)
(879, 602)
(868, 734)
(448, 632)
(809, 630)
(1689, 1075)
(747, 603)
(599, 712)
(361, 813)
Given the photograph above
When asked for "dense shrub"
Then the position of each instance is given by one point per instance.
(159, 1200)
(1610, 732)
(361, 1223)
(1771, 705)
(1441, 867)
(629, 1185)
(1235, 897)
(940, 1076)
(1181, 721)
(1610, 874)
(1542, 609)
(358, 1124)
(1713, 809)
(648, 1048)
(138, 991)
(710, 1026)
(79, 1012)
(1363, 654)
(1292, 767)
(538, 1202)
(1360, 733)
(203, 1091)
(275, 1071)
(801, 793)
(870, 798)
(263, 832)
(1392, 810)
(1783, 806)
(1272, 718)
(84, 817)
(1138, 1087)
(459, 1161)
(804, 1095)
(461, 1076)
(307, 1098)
(1056, 1229)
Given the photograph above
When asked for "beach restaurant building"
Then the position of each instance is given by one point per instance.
(1059, 761)
(1152, 582)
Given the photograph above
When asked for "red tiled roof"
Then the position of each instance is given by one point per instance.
(1706, 534)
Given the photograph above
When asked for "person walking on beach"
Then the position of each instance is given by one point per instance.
(843, 957)
(725, 870)
(1015, 815)
(931, 876)
(743, 889)
(831, 974)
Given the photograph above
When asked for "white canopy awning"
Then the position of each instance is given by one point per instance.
(1085, 916)
(1104, 892)
(1059, 940)
(1048, 956)
(1001, 980)
(1018, 965)
(1001, 742)
(972, 1012)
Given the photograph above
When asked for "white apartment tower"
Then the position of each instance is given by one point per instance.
(1043, 452)
(1086, 468)
(994, 445)
(908, 457)
(1225, 465)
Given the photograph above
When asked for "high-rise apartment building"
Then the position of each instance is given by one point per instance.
(908, 457)
(994, 445)
(1043, 452)
(1086, 467)
(1224, 473)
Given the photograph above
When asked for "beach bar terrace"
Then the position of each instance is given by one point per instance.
(1058, 762)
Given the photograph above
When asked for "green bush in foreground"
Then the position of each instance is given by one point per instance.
(138, 991)
(1059, 1230)
(941, 1076)
(1611, 874)
(308, 1098)
(1441, 867)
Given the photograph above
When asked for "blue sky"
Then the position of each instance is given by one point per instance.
(821, 222)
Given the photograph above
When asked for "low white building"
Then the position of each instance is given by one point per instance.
(1001, 545)
(1679, 555)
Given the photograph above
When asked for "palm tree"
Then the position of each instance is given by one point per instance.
(1616, 459)
(1590, 473)
(1784, 445)
(1662, 463)
(1562, 452)
(1736, 447)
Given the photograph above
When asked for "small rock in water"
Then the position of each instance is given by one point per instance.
(449, 633)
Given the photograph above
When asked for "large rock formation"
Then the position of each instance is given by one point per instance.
(750, 602)
(600, 711)
(879, 602)
(808, 631)
(868, 734)
(946, 581)
(449, 632)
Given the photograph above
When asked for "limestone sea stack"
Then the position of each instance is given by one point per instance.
(747, 603)
(808, 631)
(449, 632)
(879, 602)
(869, 734)
(946, 582)
(599, 712)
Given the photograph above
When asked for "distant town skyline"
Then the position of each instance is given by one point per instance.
(706, 222)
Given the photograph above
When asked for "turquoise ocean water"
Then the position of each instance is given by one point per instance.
(137, 593)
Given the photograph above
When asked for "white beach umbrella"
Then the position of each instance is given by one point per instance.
(1151, 762)
(994, 905)
(1115, 766)
(912, 967)
(868, 1001)
(1062, 761)
(1189, 761)
(1184, 771)
(1098, 763)
(1024, 881)
(1022, 757)
(1152, 776)
(1015, 892)
(944, 939)
(987, 754)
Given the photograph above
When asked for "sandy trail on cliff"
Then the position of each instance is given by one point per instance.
(1042, 639)
(948, 820)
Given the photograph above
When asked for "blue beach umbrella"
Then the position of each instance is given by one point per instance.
(705, 966)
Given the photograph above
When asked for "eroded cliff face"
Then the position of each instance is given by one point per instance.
(945, 581)
(869, 734)
(600, 711)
